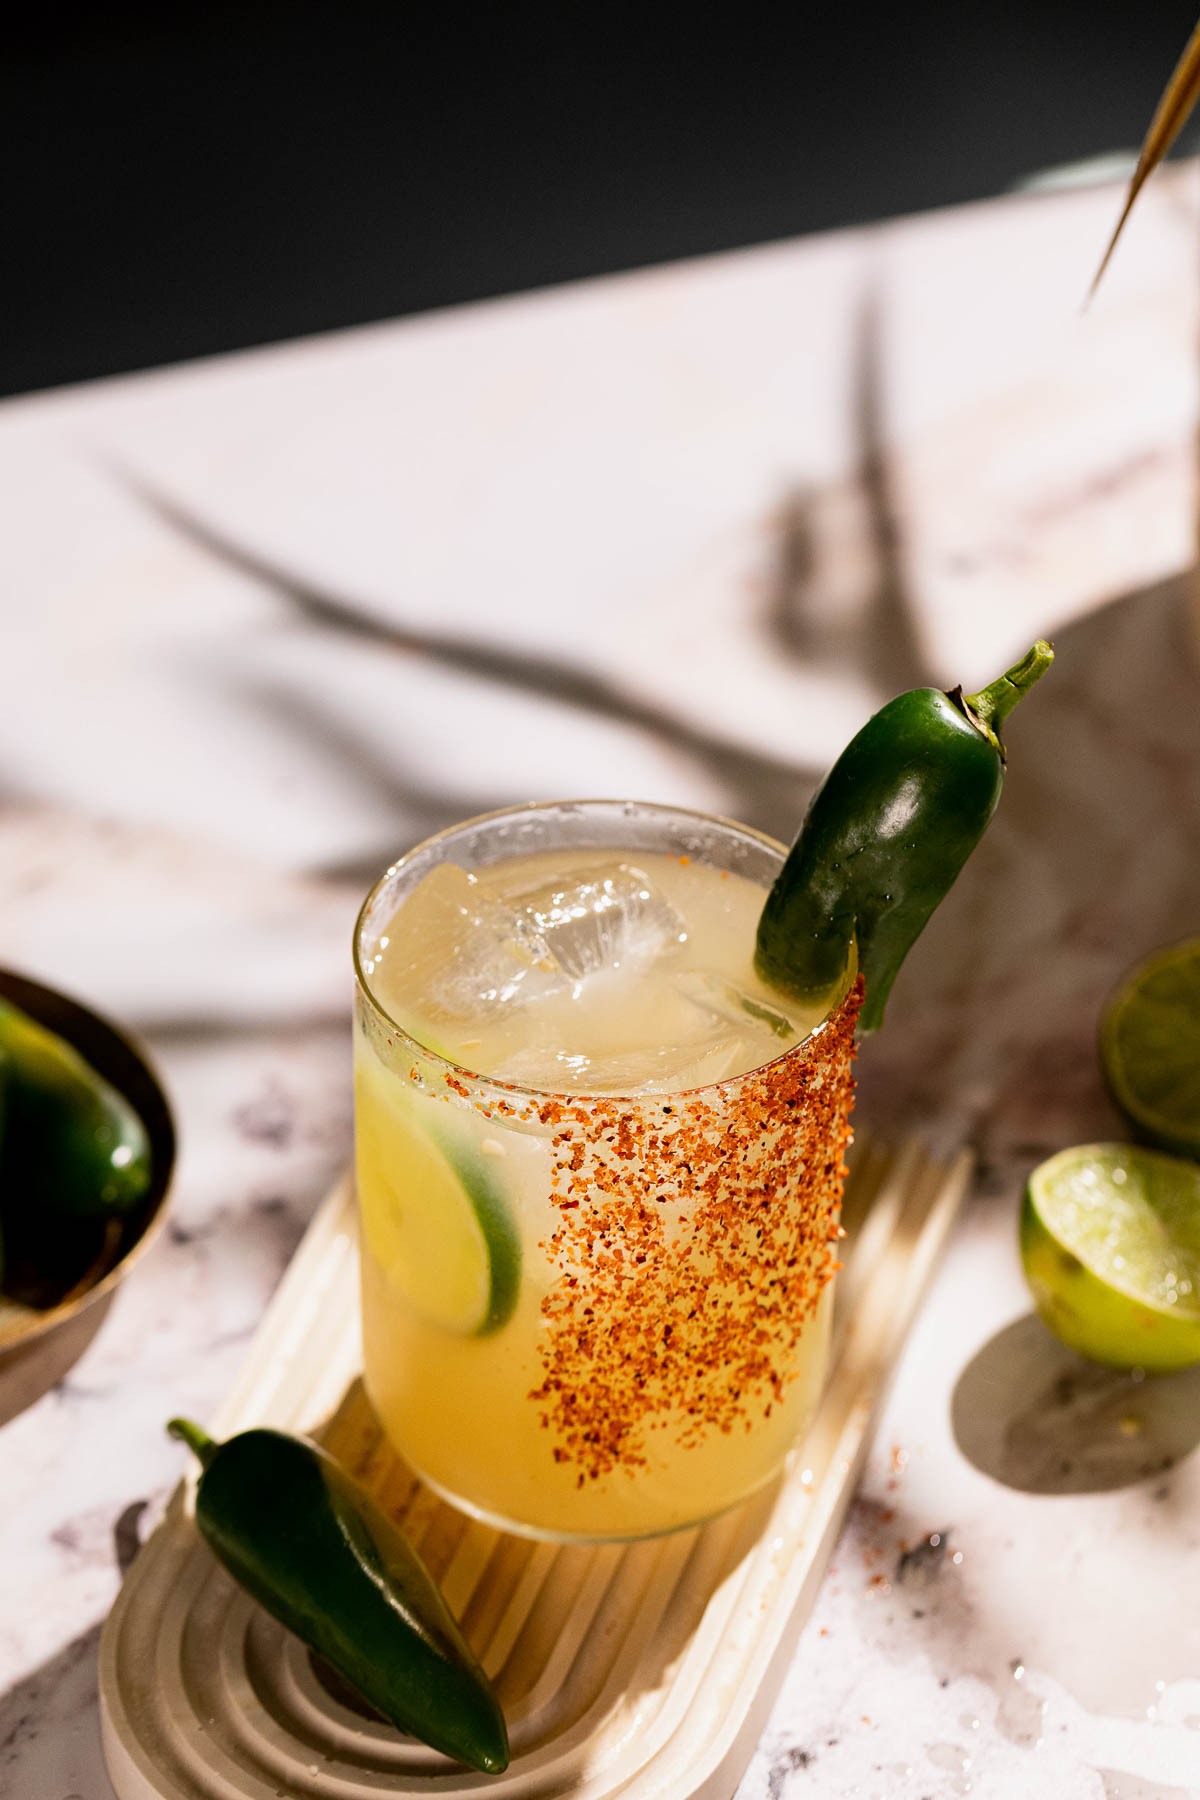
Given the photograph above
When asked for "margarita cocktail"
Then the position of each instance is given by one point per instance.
(599, 1169)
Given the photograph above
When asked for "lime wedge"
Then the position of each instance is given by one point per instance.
(1110, 1240)
(1150, 1048)
(440, 1228)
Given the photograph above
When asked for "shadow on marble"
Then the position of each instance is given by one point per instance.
(1089, 864)
(49, 1720)
(50, 1729)
(1032, 1414)
(814, 615)
(769, 782)
(419, 809)
(848, 605)
(182, 1029)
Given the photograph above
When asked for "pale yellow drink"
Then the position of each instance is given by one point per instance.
(595, 1270)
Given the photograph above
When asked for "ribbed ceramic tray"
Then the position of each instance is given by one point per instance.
(645, 1670)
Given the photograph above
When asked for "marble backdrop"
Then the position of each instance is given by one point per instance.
(267, 620)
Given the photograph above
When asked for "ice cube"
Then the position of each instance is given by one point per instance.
(691, 1066)
(453, 953)
(761, 1030)
(668, 1069)
(542, 1066)
(724, 1000)
(606, 917)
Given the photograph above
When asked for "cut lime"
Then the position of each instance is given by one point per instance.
(1110, 1240)
(439, 1226)
(1150, 1048)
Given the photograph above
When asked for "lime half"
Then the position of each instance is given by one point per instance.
(439, 1226)
(1110, 1240)
(1150, 1048)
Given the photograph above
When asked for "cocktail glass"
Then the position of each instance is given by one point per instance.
(594, 1315)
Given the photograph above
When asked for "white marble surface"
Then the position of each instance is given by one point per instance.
(266, 620)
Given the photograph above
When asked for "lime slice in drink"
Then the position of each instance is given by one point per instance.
(1150, 1048)
(440, 1228)
(1110, 1240)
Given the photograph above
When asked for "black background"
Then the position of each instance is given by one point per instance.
(185, 181)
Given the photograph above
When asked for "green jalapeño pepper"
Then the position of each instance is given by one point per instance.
(72, 1144)
(318, 1554)
(885, 837)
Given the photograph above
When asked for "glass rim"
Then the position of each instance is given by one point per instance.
(571, 1096)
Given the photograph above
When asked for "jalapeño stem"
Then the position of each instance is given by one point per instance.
(195, 1439)
(992, 704)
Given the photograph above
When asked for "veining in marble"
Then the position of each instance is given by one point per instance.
(267, 620)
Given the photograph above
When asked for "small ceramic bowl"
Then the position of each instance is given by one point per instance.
(38, 1345)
